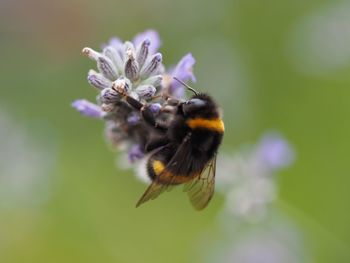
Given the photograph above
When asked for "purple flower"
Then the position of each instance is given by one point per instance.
(133, 119)
(98, 81)
(155, 107)
(146, 91)
(132, 68)
(135, 63)
(182, 71)
(115, 42)
(88, 109)
(275, 151)
(152, 36)
(135, 153)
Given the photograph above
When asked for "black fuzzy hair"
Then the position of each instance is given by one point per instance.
(209, 111)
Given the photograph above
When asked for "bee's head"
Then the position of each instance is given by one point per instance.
(200, 105)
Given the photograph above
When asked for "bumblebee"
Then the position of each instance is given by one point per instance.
(185, 150)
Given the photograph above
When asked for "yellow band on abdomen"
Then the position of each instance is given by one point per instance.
(210, 124)
(158, 167)
(166, 177)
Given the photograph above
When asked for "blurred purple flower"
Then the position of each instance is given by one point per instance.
(155, 107)
(277, 243)
(182, 71)
(88, 109)
(135, 153)
(115, 42)
(133, 118)
(152, 36)
(247, 177)
(275, 151)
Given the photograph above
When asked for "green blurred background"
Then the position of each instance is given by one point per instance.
(271, 64)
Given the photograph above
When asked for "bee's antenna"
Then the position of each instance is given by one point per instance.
(183, 83)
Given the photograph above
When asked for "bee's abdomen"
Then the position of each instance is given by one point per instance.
(158, 171)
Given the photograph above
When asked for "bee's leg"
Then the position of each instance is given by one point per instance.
(156, 143)
(134, 103)
(146, 113)
(149, 118)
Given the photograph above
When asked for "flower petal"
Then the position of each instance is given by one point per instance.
(116, 43)
(155, 81)
(152, 36)
(275, 151)
(133, 118)
(107, 68)
(135, 153)
(183, 70)
(98, 81)
(109, 96)
(131, 66)
(155, 107)
(142, 52)
(152, 67)
(115, 56)
(146, 91)
(88, 109)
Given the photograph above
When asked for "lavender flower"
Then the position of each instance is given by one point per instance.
(98, 81)
(133, 62)
(135, 153)
(275, 152)
(133, 118)
(182, 71)
(279, 242)
(253, 231)
(247, 177)
(134, 68)
(155, 107)
(152, 37)
(88, 109)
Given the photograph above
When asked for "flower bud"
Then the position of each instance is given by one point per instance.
(114, 134)
(107, 68)
(128, 47)
(145, 91)
(90, 53)
(155, 107)
(109, 96)
(107, 107)
(133, 119)
(115, 57)
(88, 109)
(98, 81)
(131, 67)
(155, 81)
(152, 66)
(142, 52)
(122, 85)
(135, 153)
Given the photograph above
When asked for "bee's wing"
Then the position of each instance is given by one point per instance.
(201, 189)
(155, 189)
(152, 192)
